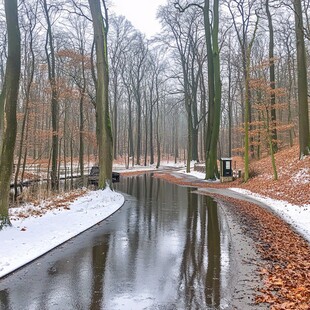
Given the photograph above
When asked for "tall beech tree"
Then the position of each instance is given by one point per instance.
(51, 65)
(302, 83)
(272, 76)
(215, 91)
(8, 104)
(28, 76)
(104, 129)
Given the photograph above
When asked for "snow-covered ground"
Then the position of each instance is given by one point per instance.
(33, 236)
(164, 163)
(297, 216)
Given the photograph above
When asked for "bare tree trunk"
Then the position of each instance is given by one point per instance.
(138, 127)
(189, 142)
(105, 139)
(176, 138)
(71, 161)
(151, 135)
(272, 80)
(290, 89)
(229, 103)
(246, 49)
(8, 104)
(50, 55)
(158, 134)
(130, 128)
(214, 83)
(30, 68)
(115, 118)
(82, 120)
(146, 129)
(302, 83)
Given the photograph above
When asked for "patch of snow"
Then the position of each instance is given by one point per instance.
(297, 216)
(122, 168)
(302, 176)
(31, 237)
(164, 163)
(265, 176)
(198, 175)
(179, 164)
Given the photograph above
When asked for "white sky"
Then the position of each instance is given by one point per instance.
(141, 13)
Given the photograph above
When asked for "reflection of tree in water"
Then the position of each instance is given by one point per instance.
(4, 300)
(201, 287)
(100, 253)
(212, 290)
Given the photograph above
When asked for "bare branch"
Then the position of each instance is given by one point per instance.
(79, 10)
(182, 9)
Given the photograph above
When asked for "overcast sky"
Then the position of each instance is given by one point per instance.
(141, 13)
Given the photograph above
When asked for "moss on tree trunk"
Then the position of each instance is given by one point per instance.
(8, 103)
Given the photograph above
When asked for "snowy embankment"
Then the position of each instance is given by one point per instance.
(167, 164)
(297, 216)
(31, 237)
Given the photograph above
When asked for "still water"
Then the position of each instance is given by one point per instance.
(166, 248)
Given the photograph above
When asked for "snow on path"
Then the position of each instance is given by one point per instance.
(297, 216)
(31, 237)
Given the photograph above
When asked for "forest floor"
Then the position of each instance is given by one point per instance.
(285, 255)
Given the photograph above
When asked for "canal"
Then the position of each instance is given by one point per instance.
(166, 248)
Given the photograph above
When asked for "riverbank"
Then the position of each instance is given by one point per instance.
(38, 229)
(279, 233)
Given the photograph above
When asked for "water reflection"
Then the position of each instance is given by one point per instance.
(166, 249)
(212, 283)
(200, 271)
(99, 258)
(199, 276)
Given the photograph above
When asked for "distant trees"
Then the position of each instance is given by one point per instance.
(265, 125)
(8, 105)
(136, 75)
(165, 95)
(185, 38)
(122, 32)
(211, 30)
(29, 27)
(244, 11)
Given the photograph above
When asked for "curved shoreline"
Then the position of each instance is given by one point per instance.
(36, 236)
(276, 273)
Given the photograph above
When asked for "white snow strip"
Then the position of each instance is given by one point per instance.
(297, 216)
(198, 175)
(164, 163)
(302, 176)
(31, 237)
